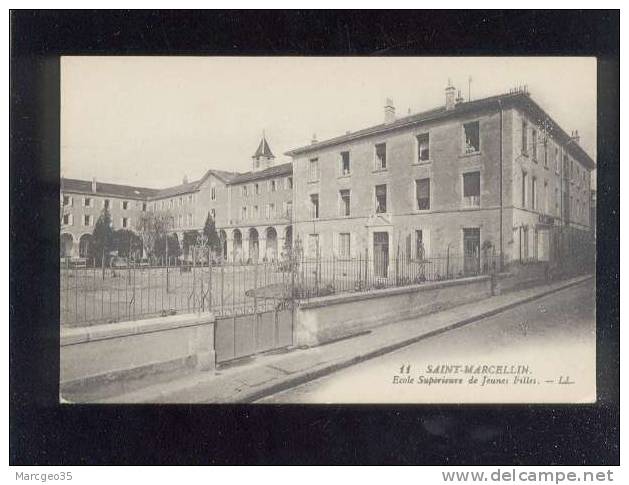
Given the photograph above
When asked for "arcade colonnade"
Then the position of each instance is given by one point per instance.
(256, 243)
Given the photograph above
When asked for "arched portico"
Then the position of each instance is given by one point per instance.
(254, 245)
(236, 245)
(222, 235)
(271, 244)
(65, 245)
(84, 245)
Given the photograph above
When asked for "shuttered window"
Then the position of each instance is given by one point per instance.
(422, 193)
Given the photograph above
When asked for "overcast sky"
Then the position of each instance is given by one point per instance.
(149, 121)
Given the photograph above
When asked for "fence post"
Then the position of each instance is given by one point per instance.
(397, 265)
(367, 266)
(222, 287)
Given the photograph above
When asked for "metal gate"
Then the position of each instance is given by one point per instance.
(244, 335)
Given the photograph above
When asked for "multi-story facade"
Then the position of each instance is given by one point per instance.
(252, 210)
(83, 201)
(458, 178)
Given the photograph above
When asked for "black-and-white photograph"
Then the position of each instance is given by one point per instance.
(327, 230)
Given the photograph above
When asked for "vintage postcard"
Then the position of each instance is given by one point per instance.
(328, 230)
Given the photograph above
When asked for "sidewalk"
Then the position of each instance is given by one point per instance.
(267, 374)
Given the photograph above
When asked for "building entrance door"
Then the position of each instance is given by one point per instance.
(471, 251)
(381, 254)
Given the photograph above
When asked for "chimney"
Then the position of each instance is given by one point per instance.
(450, 90)
(314, 139)
(185, 179)
(389, 111)
(94, 184)
(459, 98)
(575, 136)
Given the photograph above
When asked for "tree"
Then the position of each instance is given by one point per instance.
(152, 226)
(173, 250)
(102, 239)
(127, 243)
(190, 239)
(211, 236)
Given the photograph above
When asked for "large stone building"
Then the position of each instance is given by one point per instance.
(252, 210)
(493, 173)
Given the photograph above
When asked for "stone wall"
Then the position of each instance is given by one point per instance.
(325, 319)
(111, 351)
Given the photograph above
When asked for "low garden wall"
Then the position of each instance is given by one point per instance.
(329, 318)
(111, 351)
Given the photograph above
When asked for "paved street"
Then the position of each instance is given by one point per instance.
(554, 336)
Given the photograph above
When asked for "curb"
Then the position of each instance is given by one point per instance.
(302, 378)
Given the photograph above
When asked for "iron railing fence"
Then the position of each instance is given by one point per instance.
(131, 290)
(128, 289)
(325, 276)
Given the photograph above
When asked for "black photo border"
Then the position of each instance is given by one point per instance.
(43, 432)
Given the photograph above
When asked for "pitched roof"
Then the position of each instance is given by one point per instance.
(521, 99)
(263, 149)
(127, 191)
(116, 190)
(176, 190)
(277, 170)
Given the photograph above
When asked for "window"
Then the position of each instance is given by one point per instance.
(190, 198)
(171, 203)
(143, 206)
(106, 203)
(471, 189)
(534, 143)
(556, 160)
(419, 245)
(273, 185)
(556, 201)
(525, 138)
(545, 206)
(289, 183)
(67, 200)
(125, 222)
(180, 201)
(534, 193)
(243, 213)
(212, 193)
(314, 170)
(344, 209)
(288, 209)
(87, 202)
(67, 218)
(314, 206)
(345, 167)
(125, 205)
(381, 156)
(472, 137)
(546, 153)
(257, 162)
(344, 244)
(256, 188)
(381, 199)
(422, 193)
(86, 220)
(423, 149)
(243, 190)
(256, 212)
(313, 245)
(271, 211)
(523, 189)
(180, 220)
